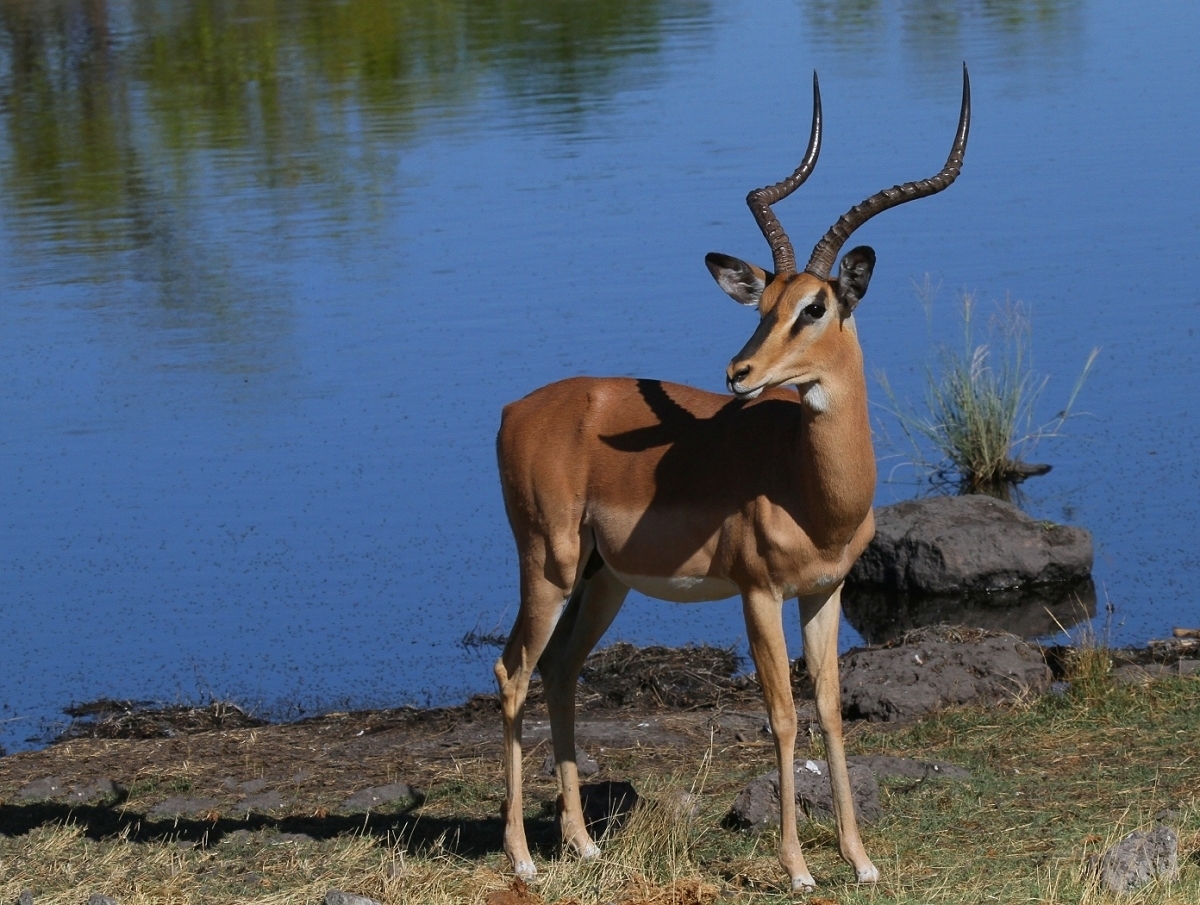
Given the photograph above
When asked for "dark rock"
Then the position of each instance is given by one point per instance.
(337, 897)
(1139, 858)
(931, 673)
(25, 898)
(372, 798)
(950, 544)
(97, 899)
(583, 761)
(606, 804)
(887, 767)
(757, 805)
(183, 806)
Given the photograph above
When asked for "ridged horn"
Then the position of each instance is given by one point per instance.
(760, 200)
(826, 251)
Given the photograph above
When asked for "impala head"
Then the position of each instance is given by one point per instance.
(805, 326)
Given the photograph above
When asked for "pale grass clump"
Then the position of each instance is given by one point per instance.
(62, 866)
(980, 400)
(1089, 662)
(648, 860)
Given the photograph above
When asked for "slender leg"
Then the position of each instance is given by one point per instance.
(764, 627)
(541, 603)
(588, 615)
(820, 615)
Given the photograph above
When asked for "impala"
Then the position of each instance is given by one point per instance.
(686, 495)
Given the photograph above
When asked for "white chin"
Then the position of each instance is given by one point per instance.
(753, 394)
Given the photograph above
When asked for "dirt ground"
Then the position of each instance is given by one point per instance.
(203, 773)
(199, 773)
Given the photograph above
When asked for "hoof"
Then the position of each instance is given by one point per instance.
(589, 851)
(524, 870)
(803, 883)
(868, 873)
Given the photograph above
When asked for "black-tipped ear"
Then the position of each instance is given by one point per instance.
(743, 282)
(854, 275)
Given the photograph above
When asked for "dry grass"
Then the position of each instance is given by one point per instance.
(1056, 780)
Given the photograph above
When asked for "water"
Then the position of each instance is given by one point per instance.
(270, 274)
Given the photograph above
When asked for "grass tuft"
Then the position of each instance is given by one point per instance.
(980, 403)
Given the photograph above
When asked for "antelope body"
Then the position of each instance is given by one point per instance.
(686, 495)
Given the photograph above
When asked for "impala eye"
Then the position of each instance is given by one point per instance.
(816, 311)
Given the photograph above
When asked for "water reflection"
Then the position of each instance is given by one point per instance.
(937, 33)
(107, 103)
(1032, 612)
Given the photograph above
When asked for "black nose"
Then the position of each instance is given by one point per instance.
(734, 377)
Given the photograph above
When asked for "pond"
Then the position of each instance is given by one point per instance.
(272, 270)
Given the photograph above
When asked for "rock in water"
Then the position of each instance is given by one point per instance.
(945, 544)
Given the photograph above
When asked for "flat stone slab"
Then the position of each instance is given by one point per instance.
(377, 796)
(757, 805)
(52, 788)
(183, 806)
(262, 802)
(953, 544)
(584, 763)
(885, 766)
(932, 673)
(46, 789)
(337, 897)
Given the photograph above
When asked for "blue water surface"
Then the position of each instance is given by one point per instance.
(264, 299)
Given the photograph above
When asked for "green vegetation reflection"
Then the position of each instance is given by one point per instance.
(105, 103)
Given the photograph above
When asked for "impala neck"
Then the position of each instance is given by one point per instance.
(837, 463)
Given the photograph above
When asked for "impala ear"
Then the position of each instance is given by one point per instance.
(854, 275)
(743, 282)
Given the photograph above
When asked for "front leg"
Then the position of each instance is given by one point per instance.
(820, 615)
(764, 628)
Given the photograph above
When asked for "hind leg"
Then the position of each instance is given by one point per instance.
(542, 602)
(587, 617)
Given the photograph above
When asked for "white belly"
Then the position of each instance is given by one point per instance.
(680, 589)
